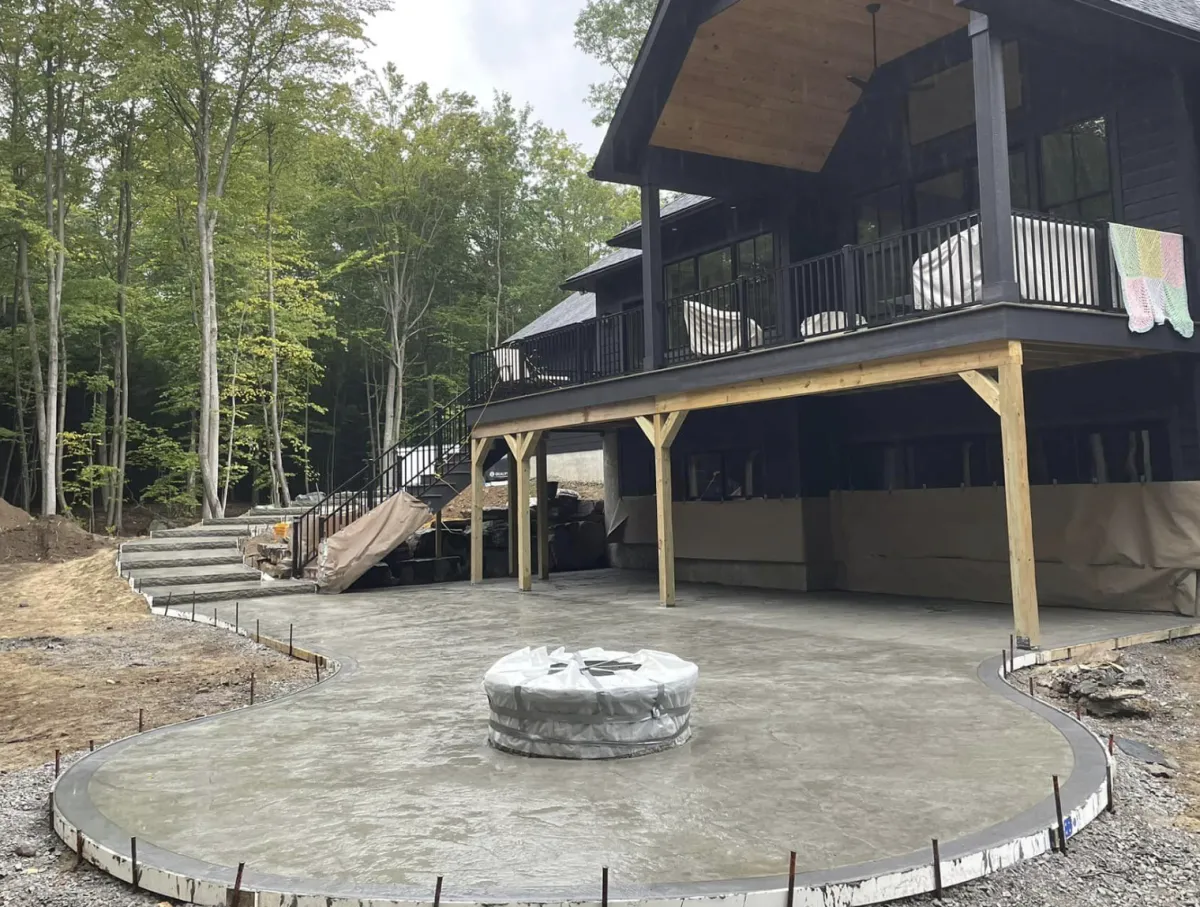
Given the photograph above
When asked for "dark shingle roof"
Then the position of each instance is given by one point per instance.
(611, 260)
(1184, 13)
(574, 309)
(678, 205)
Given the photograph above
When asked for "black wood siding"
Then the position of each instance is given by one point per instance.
(1150, 148)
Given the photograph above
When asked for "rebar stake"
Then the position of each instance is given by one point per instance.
(252, 688)
(791, 895)
(604, 887)
(57, 762)
(437, 893)
(937, 870)
(133, 864)
(1062, 828)
(237, 884)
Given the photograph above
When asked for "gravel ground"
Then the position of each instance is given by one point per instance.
(1148, 854)
(36, 869)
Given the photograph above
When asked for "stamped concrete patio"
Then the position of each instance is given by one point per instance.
(847, 728)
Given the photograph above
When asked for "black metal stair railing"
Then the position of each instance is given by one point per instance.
(417, 463)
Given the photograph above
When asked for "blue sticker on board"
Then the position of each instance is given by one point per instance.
(1069, 826)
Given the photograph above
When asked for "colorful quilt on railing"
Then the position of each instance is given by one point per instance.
(1153, 278)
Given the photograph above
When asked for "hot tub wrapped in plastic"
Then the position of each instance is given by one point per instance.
(592, 704)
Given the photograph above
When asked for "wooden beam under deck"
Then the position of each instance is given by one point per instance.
(661, 417)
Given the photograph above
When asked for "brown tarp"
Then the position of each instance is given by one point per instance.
(1120, 546)
(1130, 547)
(352, 551)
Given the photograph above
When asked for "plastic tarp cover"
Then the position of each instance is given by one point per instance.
(352, 551)
(1055, 263)
(717, 332)
(591, 704)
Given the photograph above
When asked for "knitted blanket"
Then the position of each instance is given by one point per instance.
(1152, 277)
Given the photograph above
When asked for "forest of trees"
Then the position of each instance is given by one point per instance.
(235, 263)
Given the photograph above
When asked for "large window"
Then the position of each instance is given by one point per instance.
(749, 258)
(1076, 180)
(945, 102)
(879, 215)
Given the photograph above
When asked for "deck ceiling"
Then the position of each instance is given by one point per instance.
(765, 81)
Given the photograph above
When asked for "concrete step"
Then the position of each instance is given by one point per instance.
(214, 542)
(255, 518)
(207, 593)
(232, 530)
(191, 576)
(145, 560)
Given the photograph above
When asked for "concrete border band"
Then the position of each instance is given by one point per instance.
(1027, 835)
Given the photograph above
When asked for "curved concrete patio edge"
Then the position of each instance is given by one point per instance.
(1085, 796)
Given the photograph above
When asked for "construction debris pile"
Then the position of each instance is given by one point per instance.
(1104, 689)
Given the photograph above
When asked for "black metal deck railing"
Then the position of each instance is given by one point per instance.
(429, 449)
(918, 273)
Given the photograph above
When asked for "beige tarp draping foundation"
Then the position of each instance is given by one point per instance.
(352, 551)
(1127, 547)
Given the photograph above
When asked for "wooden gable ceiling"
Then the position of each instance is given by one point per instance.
(766, 80)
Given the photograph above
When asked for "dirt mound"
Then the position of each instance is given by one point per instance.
(11, 517)
(51, 539)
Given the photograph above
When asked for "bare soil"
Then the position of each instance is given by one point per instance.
(80, 655)
(496, 496)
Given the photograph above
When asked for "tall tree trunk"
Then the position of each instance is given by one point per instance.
(35, 356)
(114, 510)
(62, 419)
(277, 469)
(55, 260)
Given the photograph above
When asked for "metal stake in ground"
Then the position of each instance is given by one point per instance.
(237, 884)
(214, 617)
(1003, 663)
(437, 893)
(604, 887)
(937, 870)
(1012, 649)
(317, 662)
(193, 609)
(257, 631)
(78, 848)
(252, 688)
(1112, 804)
(141, 720)
(133, 866)
(791, 895)
(291, 651)
(57, 762)
(1062, 828)
(1032, 695)
(237, 617)
(91, 746)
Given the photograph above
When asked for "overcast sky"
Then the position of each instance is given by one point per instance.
(523, 47)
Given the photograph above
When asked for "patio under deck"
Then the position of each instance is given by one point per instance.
(849, 728)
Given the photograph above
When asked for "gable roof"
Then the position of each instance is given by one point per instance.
(576, 308)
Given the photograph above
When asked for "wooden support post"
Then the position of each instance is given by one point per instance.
(512, 513)
(1016, 496)
(987, 388)
(479, 452)
(661, 430)
(520, 448)
(543, 514)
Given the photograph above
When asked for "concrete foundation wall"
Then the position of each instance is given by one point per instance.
(578, 466)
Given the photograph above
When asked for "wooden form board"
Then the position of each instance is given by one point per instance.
(766, 80)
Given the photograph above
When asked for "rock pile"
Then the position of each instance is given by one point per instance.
(1104, 689)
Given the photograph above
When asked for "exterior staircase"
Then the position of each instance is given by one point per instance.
(432, 463)
(204, 563)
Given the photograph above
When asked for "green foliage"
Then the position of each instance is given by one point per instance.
(612, 31)
(385, 230)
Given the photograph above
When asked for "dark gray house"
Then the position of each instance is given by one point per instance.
(918, 320)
